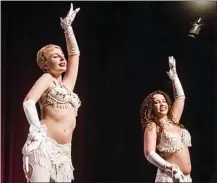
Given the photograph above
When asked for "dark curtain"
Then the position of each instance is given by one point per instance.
(124, 56)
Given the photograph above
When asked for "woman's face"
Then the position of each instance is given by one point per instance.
(56, 62)
(160, 105)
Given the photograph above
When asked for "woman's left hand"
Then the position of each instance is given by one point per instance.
(67, 21)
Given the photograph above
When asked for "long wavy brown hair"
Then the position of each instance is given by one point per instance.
(147, 114)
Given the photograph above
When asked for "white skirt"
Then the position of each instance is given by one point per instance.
(46, 152)
(164, 177)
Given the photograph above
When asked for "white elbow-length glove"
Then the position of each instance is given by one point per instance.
(31, 112)
(71, 43)
(37, 131)
(177, 86)
(171, 169)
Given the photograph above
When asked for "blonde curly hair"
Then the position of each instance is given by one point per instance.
(43, 54)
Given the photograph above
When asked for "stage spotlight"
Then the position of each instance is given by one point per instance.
(196, 28)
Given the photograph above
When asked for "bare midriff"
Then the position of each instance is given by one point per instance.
(60, 123)
(180, 158)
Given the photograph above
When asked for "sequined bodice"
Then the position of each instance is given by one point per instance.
(172, 142)
(60, 96)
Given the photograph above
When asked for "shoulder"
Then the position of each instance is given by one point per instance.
(151, 126)
(150, 131)
(46, 76)
(44, 81)
(39, 87)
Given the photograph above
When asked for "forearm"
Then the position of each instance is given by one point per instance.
(71, 42)
(170, 169)
(177, 88)
(157, 160)
(31, 112)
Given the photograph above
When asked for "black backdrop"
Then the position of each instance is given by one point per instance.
(124, 49)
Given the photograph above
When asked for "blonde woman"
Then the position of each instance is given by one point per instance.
(47, 151)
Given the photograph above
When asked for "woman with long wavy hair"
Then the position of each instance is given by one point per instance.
(164, 134)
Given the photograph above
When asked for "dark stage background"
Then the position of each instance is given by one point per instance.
(124, 56)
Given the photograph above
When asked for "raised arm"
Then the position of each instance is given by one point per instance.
(33, 96)
(150, 139)
(178, 91)
(72, 48)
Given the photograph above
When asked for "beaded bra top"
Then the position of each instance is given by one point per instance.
(60, 96)
(173, 141)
